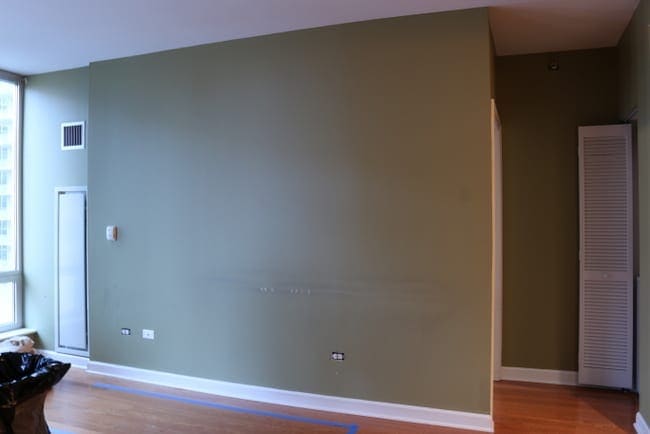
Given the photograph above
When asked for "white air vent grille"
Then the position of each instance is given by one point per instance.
(72, 135)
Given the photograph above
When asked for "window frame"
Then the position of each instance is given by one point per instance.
(16, 276)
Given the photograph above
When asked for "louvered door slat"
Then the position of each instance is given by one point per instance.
(606, 266)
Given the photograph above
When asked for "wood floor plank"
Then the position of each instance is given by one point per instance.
(74, 405)
(541, 408)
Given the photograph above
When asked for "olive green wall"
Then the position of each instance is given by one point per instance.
(282, 197)
(540, 112)
(49, 100)
(634, 71)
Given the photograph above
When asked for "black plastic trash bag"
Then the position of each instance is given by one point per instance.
(25, 380)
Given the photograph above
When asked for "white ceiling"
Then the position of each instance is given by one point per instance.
(48, 35)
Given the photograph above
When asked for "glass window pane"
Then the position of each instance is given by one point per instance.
(8, 183)
(7, 303)
(5, 151)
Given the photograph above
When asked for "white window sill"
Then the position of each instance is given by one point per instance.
(17, 332)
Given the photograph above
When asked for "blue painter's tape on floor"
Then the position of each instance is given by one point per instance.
(58, 431)
(351, 428)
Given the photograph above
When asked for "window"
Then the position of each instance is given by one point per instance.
(4, 227)
(5, 126)
(11, 309)
(5, 177)
(6, 102)
(8, 314)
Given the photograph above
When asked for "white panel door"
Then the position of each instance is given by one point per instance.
(606, 256)
(72, 336)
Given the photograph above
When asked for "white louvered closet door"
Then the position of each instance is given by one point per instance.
(606, 256)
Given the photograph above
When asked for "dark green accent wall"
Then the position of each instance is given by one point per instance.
(634, 72)
(283, 197)
(49, 100)
(540, 112)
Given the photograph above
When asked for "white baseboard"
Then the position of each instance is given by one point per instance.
(76, 361)
(640, 425)
(567, 378)
(383, 410)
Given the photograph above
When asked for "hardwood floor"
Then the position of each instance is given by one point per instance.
(541, 408)
(77, 406)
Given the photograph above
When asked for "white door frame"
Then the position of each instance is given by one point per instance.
(497, 242)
